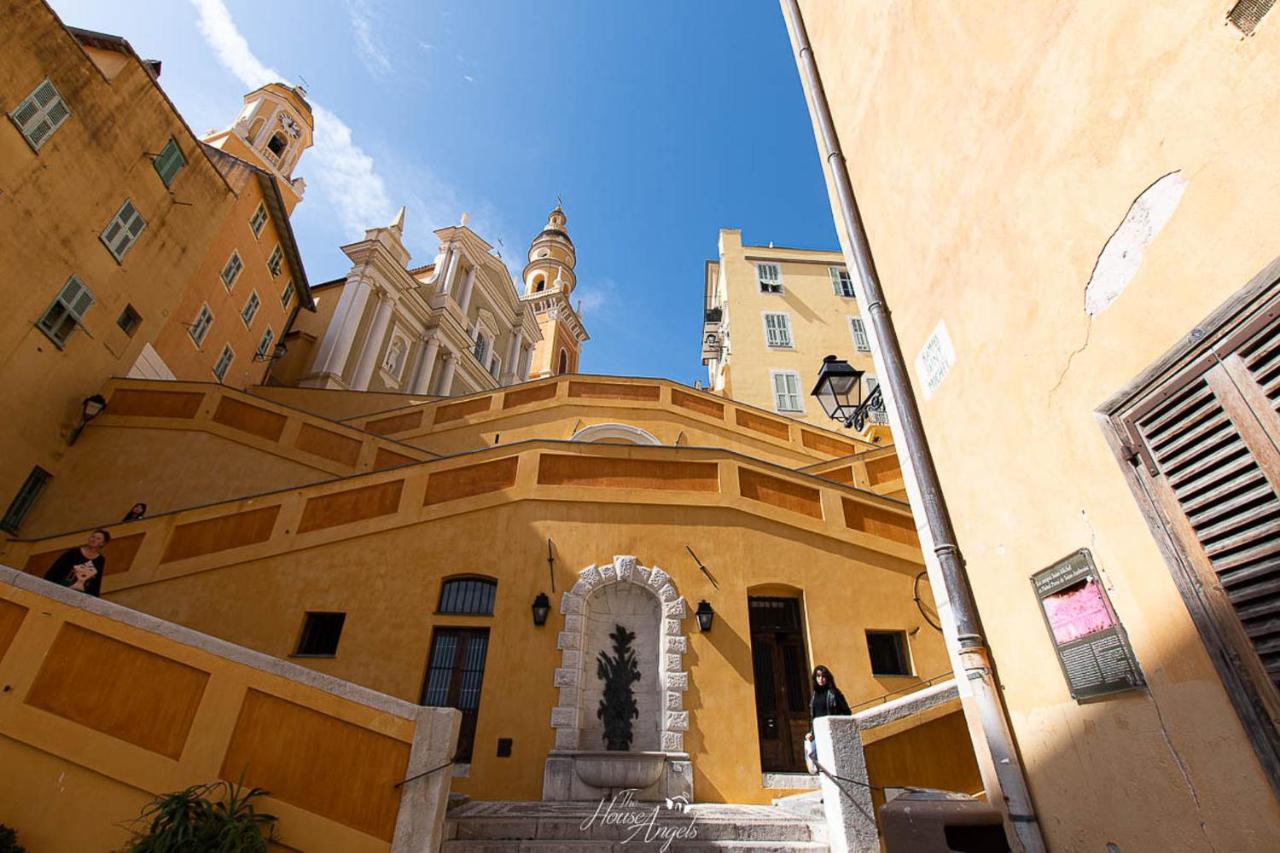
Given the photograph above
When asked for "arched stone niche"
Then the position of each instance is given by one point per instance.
(646, 602)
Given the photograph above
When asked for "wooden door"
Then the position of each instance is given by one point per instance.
(455, 673)
(781, 671)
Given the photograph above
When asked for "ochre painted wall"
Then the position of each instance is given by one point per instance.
(388, 584)
(100, 715)
(993, 156)
(56, 204)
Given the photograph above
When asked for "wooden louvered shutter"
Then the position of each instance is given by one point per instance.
(1209, 443)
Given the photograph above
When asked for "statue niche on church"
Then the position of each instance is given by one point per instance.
(618, 705)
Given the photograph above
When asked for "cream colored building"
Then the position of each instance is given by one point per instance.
(1072, 211)
(771, 314)
(455, 326)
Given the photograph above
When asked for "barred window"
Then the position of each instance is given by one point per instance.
(468, 595)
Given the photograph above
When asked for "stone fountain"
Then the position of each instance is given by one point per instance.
(588, 762)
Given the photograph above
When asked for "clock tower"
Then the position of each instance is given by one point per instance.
(549, 280)
(273, 129)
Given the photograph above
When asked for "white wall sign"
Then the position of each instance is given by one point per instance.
(935, 360)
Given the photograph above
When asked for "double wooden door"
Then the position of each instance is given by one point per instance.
(781, 670)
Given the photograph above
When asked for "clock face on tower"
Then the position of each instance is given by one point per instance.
(291, 126)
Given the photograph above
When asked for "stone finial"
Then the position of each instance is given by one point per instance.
(466, 217)
(398, 223)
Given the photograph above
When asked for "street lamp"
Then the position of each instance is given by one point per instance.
(837, 384)
(90, 408)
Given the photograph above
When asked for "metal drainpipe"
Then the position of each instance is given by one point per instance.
(974, 655)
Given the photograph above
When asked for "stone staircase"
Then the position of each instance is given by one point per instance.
(629, 827)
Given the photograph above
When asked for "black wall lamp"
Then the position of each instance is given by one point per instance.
(90, 408)
(278, 352)
(541, 607)
(705, 615)
(837, 382)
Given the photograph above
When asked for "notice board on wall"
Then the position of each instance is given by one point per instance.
(1092, 647)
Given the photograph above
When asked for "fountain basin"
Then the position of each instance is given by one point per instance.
(616, 769)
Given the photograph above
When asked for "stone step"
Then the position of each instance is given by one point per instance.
(585, 827)
(636, 846)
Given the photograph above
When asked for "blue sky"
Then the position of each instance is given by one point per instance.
(659, 122)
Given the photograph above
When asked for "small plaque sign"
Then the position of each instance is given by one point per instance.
(1092, 646)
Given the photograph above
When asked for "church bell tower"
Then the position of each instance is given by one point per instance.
(549, 280)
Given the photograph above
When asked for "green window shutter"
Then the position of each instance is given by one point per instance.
(169, 162)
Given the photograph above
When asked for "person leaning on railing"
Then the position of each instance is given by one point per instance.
(82, 568)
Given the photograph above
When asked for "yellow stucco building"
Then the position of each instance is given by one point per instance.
(771, 314)
(109, 185)
(1081, 268)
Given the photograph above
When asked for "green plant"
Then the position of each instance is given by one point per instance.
(9, 841)
(216, 818)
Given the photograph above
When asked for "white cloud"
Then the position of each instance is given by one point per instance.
(343, 171)
(368, 45)
(468, 78)
(597, 297)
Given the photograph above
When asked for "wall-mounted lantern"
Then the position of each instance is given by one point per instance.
(541, 607)
(90, 408)
(705, 614)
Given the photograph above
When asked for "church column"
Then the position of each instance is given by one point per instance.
(446, 374)
(455, 257)
(373, 342)
(512, 360)
(336, 346)
(427, 365)
(468, 284)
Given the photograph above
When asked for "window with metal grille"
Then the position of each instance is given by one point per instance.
(841, 281)
(250, 309)
(1201, 432)
(320, 635)
(40, 114)
(258, 220)
(888, 651)
(129, 320)
(24, 499)
(287, 295)
(200, 327)
(67, 311)
(860, 340)
(170, 162)
(264, 345)
(481, 348)
(122, 231)
(786, 391)
(223, 364)
(777, 330)
(1247, 14)
(231, 270)
(770, 278)
(468, 595)
(273, 262)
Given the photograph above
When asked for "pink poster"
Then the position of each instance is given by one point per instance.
(1077, 611)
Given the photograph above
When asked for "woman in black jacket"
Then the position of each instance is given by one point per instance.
(827, 700)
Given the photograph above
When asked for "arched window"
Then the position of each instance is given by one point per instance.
(468, 595)
(563, 364)
(539, 285)
(278, 144)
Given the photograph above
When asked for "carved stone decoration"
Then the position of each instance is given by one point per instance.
(644, 602)
(618, 705)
